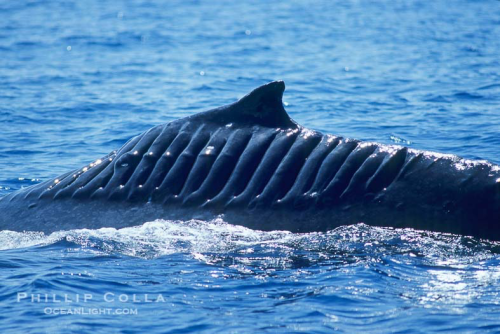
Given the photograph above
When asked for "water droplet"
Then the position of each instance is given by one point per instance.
(202, 73)
(400, 140)
(68, 48)
(248, 32)
(209, 149)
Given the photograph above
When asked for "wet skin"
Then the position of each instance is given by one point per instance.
(251, 163)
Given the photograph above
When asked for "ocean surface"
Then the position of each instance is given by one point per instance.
(79, 78)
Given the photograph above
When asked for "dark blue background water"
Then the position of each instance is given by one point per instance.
(77, 79)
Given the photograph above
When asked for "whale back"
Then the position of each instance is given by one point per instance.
(250, 156)
(246, 154)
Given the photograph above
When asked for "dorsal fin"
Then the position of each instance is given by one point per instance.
(264, 106)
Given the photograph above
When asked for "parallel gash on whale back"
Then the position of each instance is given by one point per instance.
(250, 162)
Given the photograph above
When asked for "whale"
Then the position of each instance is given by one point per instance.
(251, 164)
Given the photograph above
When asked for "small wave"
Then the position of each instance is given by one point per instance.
(467, 96)
(490, 86)
(152, 239)
(218, 242)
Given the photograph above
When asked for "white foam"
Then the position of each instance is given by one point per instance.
(212, 241)
(156, 238)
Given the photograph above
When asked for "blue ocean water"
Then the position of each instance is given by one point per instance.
(79, 78)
